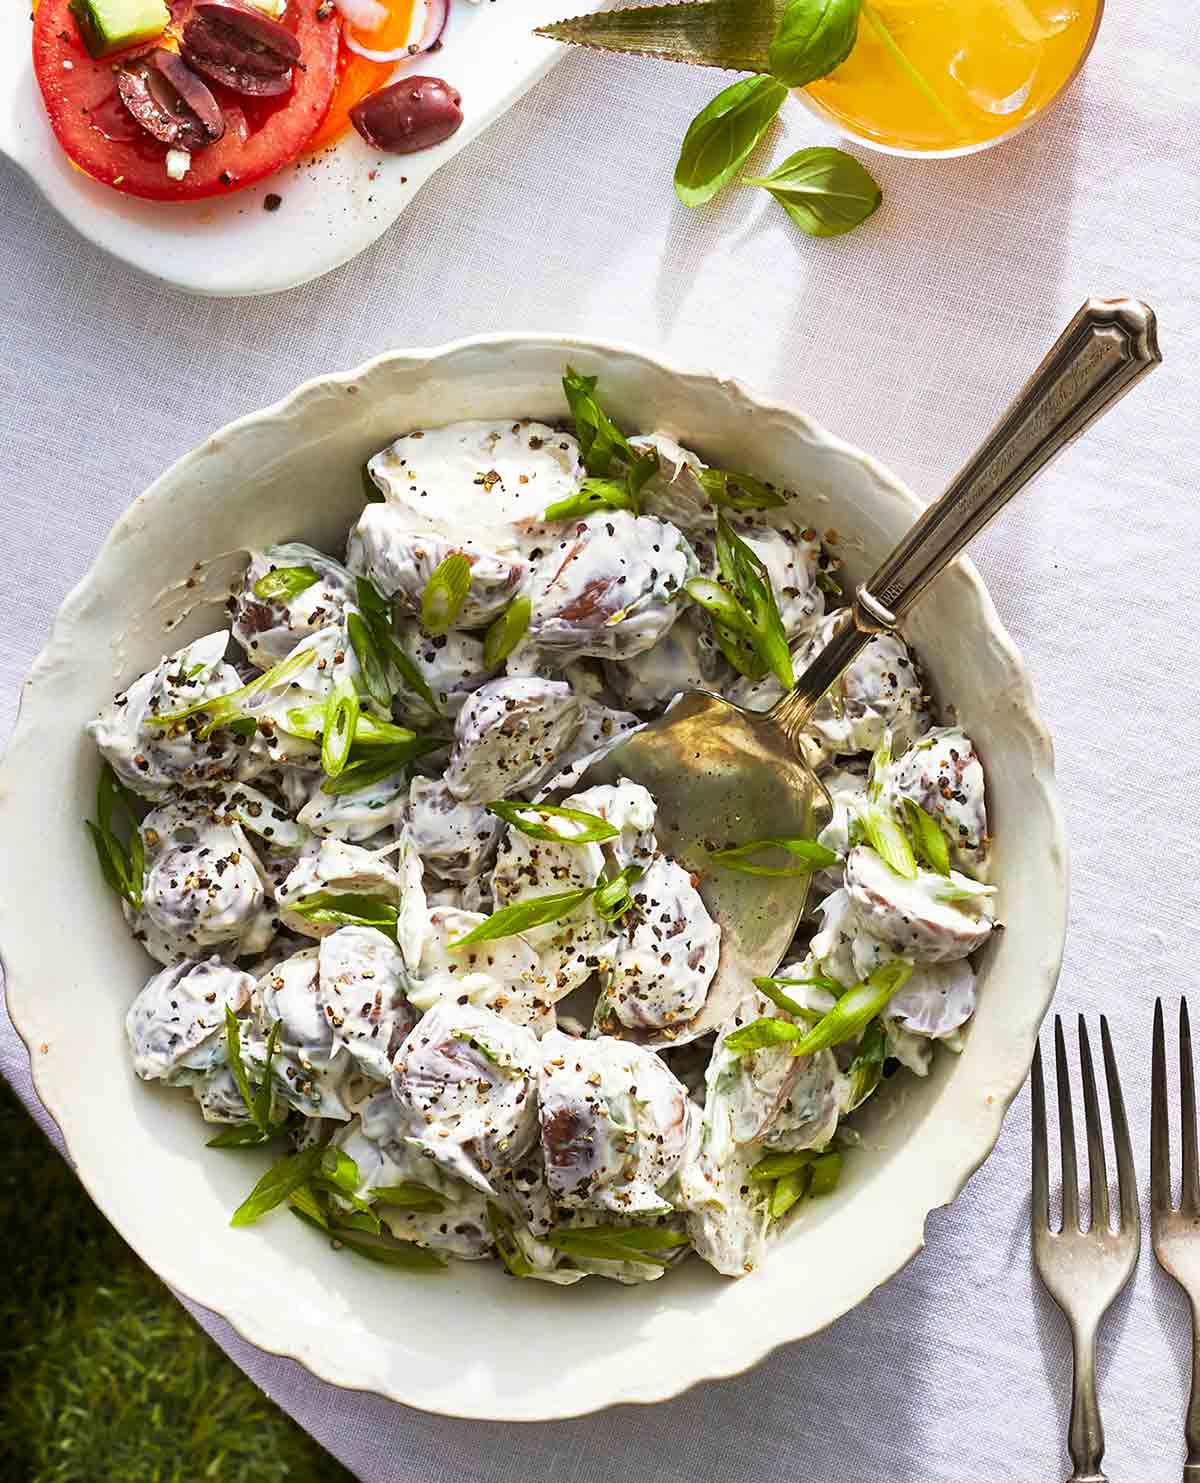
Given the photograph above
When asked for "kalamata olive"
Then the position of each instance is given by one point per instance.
(414, 113)
(237, 45)
(169, 101)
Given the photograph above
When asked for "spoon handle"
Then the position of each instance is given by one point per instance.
(1108, 345)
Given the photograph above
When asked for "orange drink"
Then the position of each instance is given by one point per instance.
(948, 76)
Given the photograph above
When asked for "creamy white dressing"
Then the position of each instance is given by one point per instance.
(331, 915)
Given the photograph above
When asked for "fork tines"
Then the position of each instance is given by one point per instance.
(1160, 1135)
(1128, 1214)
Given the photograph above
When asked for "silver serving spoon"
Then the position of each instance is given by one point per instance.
(722, 775)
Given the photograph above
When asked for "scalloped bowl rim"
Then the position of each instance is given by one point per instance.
(749, 1346)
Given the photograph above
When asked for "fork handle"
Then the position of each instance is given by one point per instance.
(1085, 1435)
(1191, 1429)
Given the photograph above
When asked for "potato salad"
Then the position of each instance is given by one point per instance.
(452, 989)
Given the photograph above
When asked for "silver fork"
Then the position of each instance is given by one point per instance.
(1175, 1233)
(1084, 1270)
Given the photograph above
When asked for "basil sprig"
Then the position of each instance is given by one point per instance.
(347, 909)
(813, 37)
(594, 827)
(283, 583)
(732, 491)
(744, 613)
(611, 899)
(825, 191)
(723, 134)
(652, 1244)
(811, 855)
(123, 867)
(507, 631)
(855, 1009)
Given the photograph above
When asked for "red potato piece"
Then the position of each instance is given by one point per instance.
(101, 137)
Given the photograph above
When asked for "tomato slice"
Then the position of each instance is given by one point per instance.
(101, 137)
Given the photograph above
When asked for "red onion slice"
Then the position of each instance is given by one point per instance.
(437, 13)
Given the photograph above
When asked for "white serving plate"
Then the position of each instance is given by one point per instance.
(473, 1342)
(331, 209)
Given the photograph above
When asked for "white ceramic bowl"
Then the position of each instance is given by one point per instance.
(472, 1342)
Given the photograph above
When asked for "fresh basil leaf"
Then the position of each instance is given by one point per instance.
(928, 838)
(533, 912)
(825, 191)
(825, 1174)
(371, 491)
(239, 1135)
(723, 134)
(445, 593)
(814, 37)
(408, 1196)
(398, 1254)
(857, 1007)
(305, 1202)
(592, 495)
(775, 1165)
(506, 631)
(732, 491)
(508, 1249)
(347, 909)
(790, 1188)
(759, 1034)
(280, 1181)
(595, 828)
(370, 662)
(285, 582)
(773, 989)
(612, 898)
(888, 841)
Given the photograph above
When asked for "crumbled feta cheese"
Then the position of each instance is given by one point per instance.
(179, 162)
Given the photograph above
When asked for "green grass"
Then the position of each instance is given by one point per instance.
(104, 1378)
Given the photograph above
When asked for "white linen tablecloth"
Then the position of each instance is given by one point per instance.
(906, 338)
